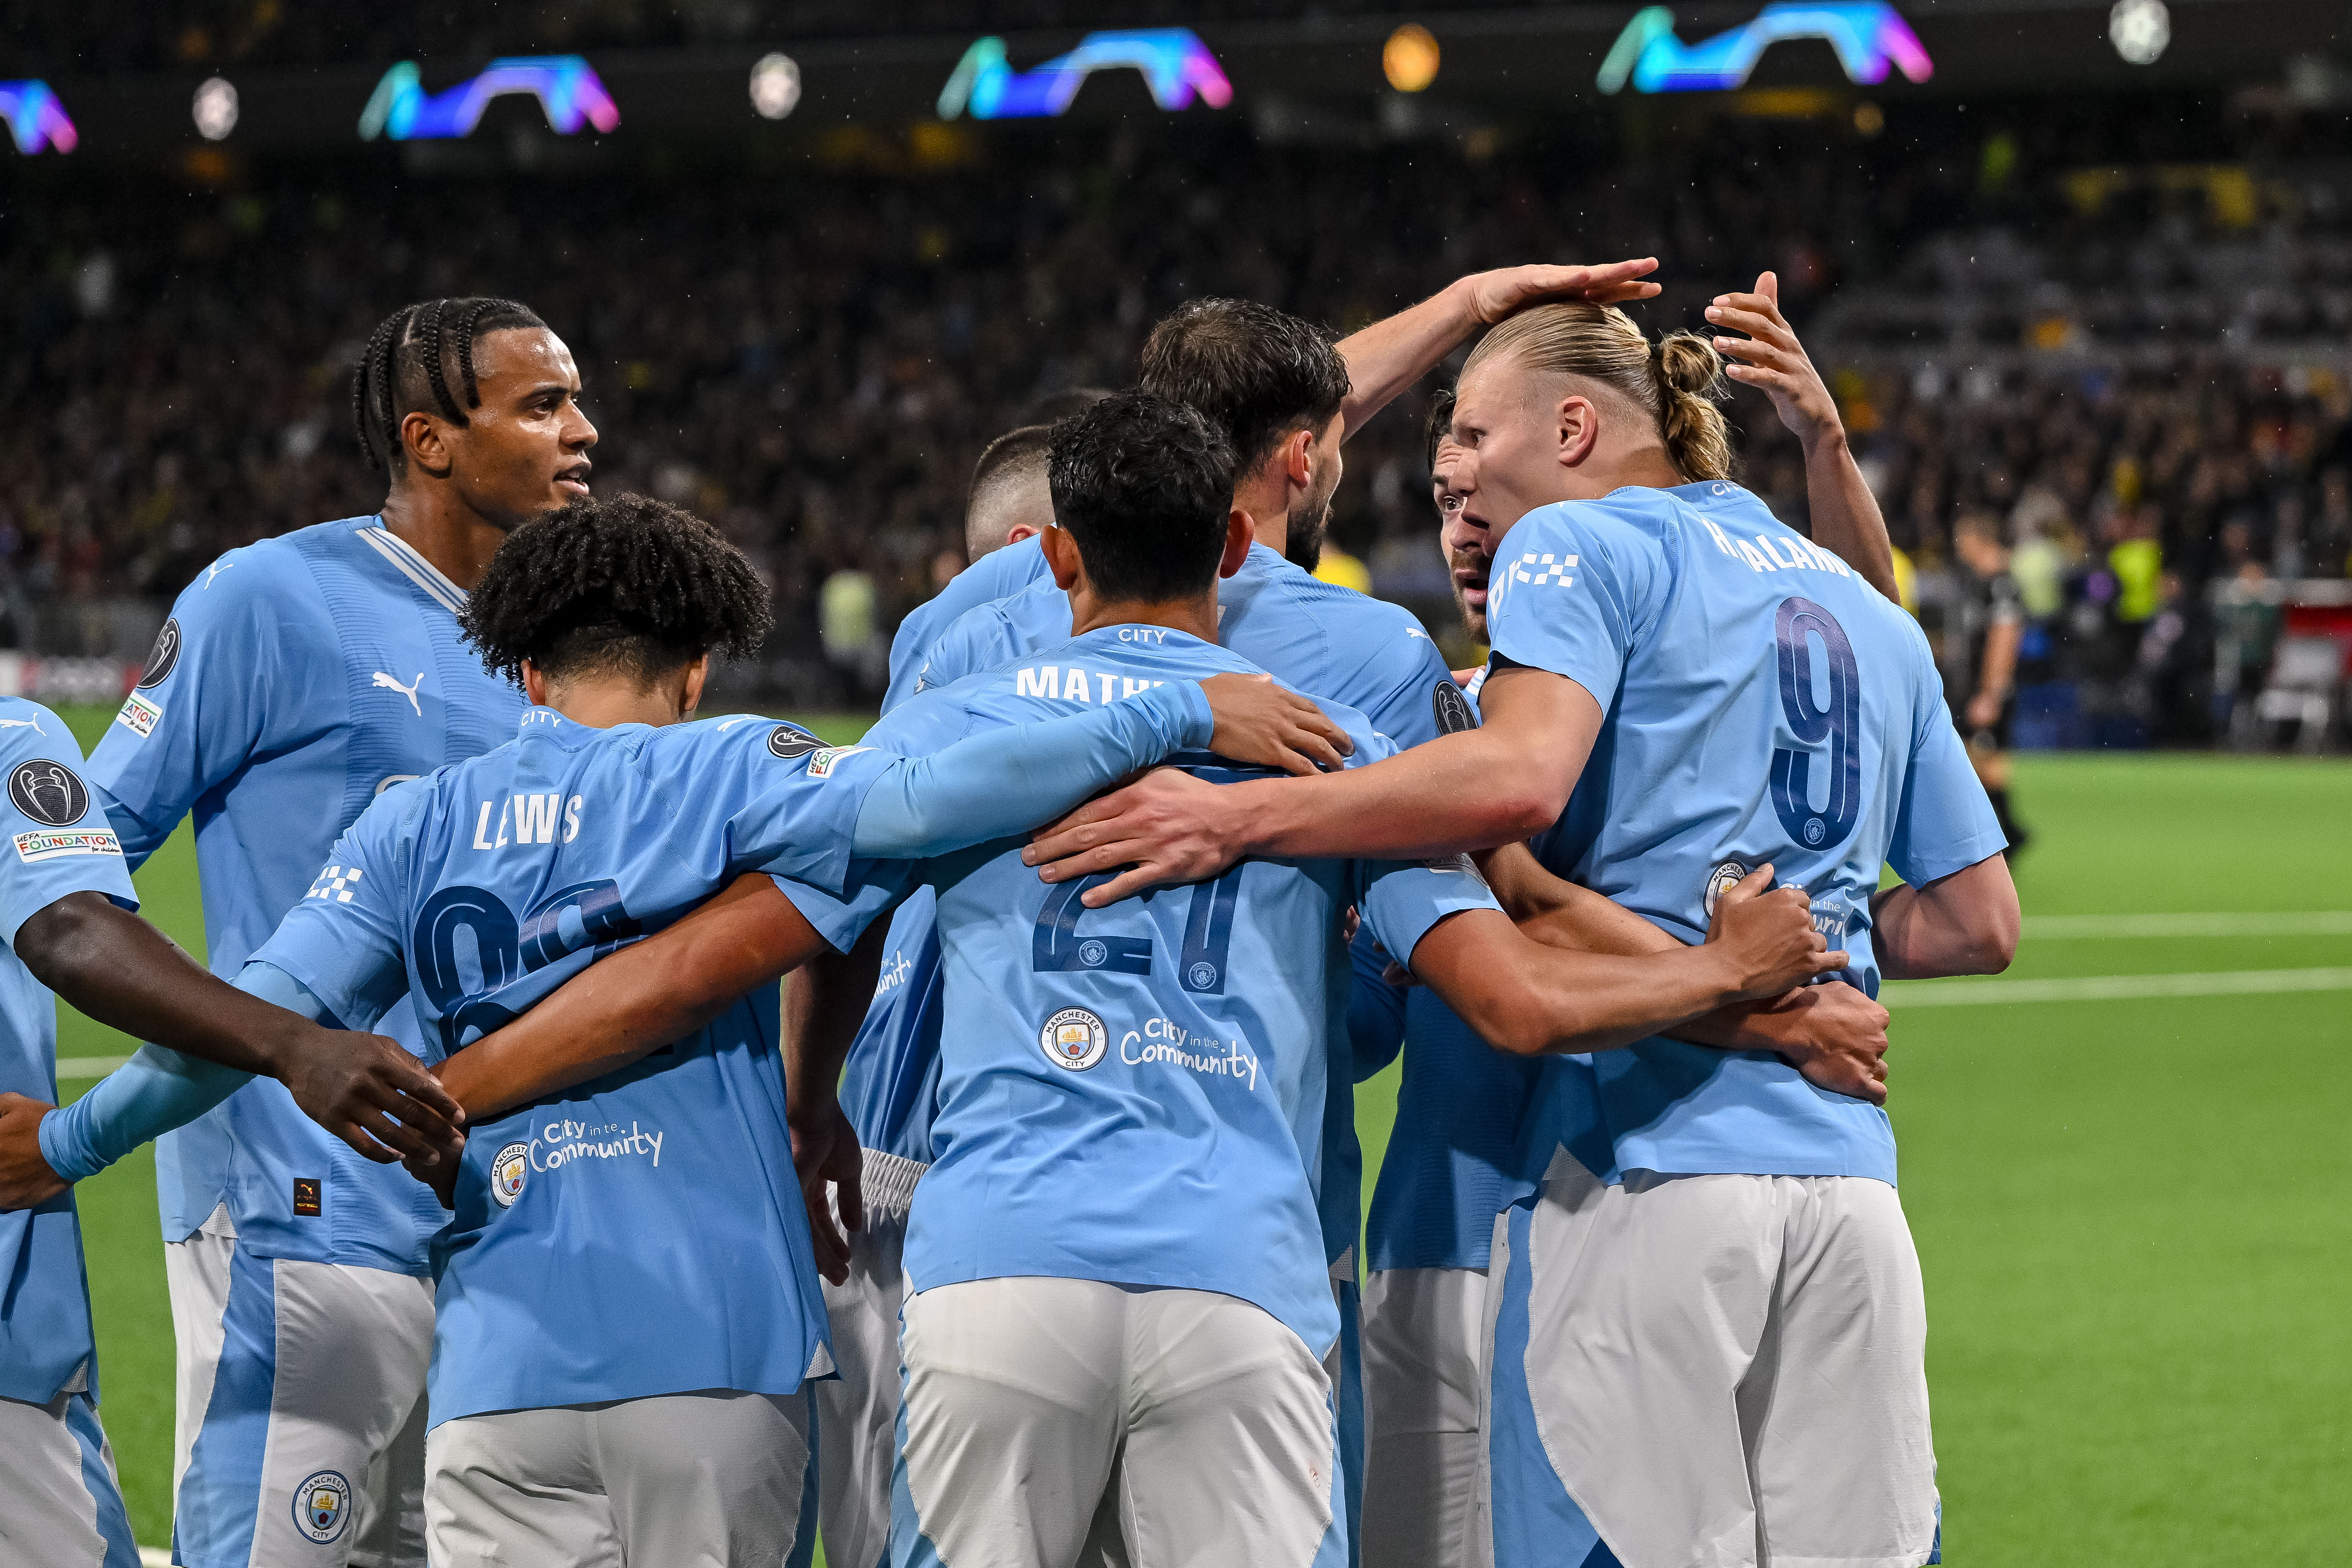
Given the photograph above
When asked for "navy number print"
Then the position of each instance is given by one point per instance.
(504, 951)
(1840, 723)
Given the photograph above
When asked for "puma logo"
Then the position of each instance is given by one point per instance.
(32, 724)
(215, 570)
(409, 690)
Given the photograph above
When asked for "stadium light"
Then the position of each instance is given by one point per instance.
(775, 86)
(1408, 59)
(1176, 65)
(215, 108)
(1868, 35)
(36, 119)
(2140, 30)
(566, 86)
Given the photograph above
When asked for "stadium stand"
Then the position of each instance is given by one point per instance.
(814, 353)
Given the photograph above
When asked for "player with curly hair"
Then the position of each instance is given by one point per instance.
(627, 1300)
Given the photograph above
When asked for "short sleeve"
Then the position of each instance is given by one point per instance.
(1411, 696)
(871, 891)
(1944, 823)
(232, 667)
(1571, 591)
(344, 938)
(58, 840)
(1403, 898)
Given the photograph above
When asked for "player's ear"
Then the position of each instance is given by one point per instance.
(1578, 429)
(1240, 531)
(534, 685)
(697, 674)
(1061, 556)
(1297, 457)
(426, 441)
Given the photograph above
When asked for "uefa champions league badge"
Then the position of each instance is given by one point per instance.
(1073, 1038)
(1727, 875)
(322, 1506)
(509, 1170)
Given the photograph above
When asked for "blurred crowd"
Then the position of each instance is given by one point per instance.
(812, 355)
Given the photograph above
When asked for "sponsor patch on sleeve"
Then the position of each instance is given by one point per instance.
(822, 762)
(38, 846)
(139, 715)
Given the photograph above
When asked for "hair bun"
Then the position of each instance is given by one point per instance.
(1687, 363)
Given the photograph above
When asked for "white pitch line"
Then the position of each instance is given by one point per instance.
(88, 1066)
(2110, 987)
(2289, 922)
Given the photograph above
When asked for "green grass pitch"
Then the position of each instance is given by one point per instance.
(2135, 1216)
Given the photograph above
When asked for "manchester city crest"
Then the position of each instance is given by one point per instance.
(322, 1506)
(1073, 1038)
(510, 1168)
(1727, 875)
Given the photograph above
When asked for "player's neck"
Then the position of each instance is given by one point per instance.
(1266, 496)
(458, 540)
(605, 705)
(1196, 616)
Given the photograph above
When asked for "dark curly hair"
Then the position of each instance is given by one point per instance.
(621, 585)
(1144, 484)
(421, 357)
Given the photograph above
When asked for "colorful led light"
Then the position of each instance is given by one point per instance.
(1868, 35)
(36, 119)
(566, 86)
(1174, 62)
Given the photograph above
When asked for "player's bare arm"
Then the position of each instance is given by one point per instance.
(1389, 356)
(822, 1008)
(1966, 923)
(1834, 1035)
(116, 968)
(1462, 791)
(1845, 515)
(1531, 1000)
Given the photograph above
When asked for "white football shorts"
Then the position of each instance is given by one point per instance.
(1424, 1465)
(1039, 1410)
(857, 1412)
(60, 1504)
(1718, 1370)
(300, 1438)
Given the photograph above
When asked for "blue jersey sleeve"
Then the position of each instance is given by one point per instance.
(59, 838)
(345, 940)
(1375, 1007)
(1403, 898)
(1943, 822)
(981, 639)
(1571, 591)
(1401, 681)
(237, 670)
(992, 577)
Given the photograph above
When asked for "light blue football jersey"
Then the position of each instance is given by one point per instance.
(994, 575)
(1762, 703)
(642, 1233)
(296, 678)
(57, 842)
(1330, 642)
(1138, 1094)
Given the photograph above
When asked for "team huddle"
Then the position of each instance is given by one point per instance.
(512, 1216)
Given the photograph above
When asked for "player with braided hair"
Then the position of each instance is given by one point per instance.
(296, 678)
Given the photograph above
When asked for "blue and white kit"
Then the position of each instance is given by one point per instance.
(1087, 1078)
(1327, 641)
(296, 678)
(585, 840)
(63, 1503)
(1762, 703)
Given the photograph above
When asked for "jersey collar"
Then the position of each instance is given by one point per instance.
(413, 567)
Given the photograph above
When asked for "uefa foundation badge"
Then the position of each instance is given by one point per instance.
(322, 1506)
(509, 1170)
(1073, 1038)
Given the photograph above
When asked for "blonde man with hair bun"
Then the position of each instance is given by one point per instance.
(1707, 1345)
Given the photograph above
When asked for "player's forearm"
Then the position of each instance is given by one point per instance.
(637, 1001)
(1529, 1000)
(1966, 923)
(114, 967)
(1389, 356)
(822, 1008)
(1457, 793)
(1845, 515)
(1007, 781)
(1999, 672)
